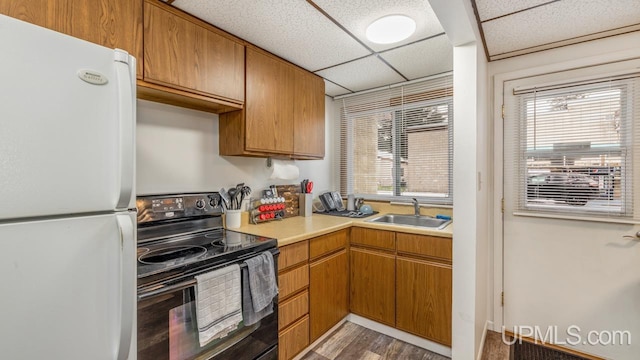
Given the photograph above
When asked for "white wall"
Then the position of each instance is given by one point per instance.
(177, 151)
(471, 178)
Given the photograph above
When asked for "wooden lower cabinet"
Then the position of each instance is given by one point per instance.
(423, 299)
(329, 292)
(294, 339)
(373, 279)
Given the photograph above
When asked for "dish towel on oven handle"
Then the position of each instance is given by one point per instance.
(262, 285)
(249, 316)
(218, 303)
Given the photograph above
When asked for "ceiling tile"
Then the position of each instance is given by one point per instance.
(429, 57)
(293, 30)
(362, 74)
(558, 21)
(489, 9)
(332, 89)
(356, 15)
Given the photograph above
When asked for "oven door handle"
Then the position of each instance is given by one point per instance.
(192, 282)
(166, 289)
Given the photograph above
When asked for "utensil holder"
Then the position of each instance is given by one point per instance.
(233, 219)
(306, 204)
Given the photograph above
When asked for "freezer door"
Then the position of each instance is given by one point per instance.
(68, 288)
(67, 124)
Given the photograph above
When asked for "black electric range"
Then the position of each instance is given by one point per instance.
(180, 234)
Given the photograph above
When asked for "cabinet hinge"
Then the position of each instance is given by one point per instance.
(502, 111)
(502, 298)
(502, 205)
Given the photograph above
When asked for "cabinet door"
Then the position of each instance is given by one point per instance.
(308, 115)
(110, 23)
(182, 53)
(373, 279)
(329, 292)
(269, 106)
(424, 299)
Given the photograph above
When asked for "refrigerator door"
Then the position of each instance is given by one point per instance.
(68, 288)
(67, 124)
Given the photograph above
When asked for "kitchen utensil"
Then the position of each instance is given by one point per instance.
(358, 202)
(232, 197)
(244, 191)
(225, 198)
(309, 187)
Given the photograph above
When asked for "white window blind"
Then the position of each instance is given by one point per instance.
(576, 147)
(398, 142)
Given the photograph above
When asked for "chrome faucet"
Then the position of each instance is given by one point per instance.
(416, 207)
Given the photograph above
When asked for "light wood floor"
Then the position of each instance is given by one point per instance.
(351, 341)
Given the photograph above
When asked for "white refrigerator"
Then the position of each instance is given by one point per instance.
(67, 197)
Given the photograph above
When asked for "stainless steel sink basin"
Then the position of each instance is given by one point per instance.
(412, 220)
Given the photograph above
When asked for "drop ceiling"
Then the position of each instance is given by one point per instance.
(511, 28)
(327, 37)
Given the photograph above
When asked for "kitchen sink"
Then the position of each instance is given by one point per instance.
(412, 220)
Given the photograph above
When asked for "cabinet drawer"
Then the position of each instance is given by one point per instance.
(294, 339)
(293, 254)
(430, 246)
(293, 280)
(328, 243)
(293, 309)
(374, 238)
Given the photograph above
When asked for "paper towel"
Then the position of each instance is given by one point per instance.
(283, 169)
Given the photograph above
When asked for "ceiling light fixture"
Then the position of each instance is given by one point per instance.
(391, 29)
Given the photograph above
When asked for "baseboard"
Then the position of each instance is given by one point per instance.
(320, 339)
(484, 338)
(400, 335)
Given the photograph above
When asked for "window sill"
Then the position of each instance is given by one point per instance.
(610, 220)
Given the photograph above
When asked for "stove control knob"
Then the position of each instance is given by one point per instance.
(200, 204)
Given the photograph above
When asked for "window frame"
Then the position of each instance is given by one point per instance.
(348, 182)
(625, 151)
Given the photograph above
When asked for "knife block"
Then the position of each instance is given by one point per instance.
(306, 204)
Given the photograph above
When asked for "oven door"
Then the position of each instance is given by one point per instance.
(167, 330)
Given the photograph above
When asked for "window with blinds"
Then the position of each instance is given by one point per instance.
(398, 142)
(577, 143)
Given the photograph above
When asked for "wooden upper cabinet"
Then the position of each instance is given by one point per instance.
(308, 115)
(110, 23)
(184, 53)
(269, 107)
(283, 114)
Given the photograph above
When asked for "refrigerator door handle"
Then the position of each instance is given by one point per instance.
(127, 283)
(126, 119)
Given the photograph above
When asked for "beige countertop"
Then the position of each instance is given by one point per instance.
(297, 228)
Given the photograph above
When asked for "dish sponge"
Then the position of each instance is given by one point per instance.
(443, 217)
